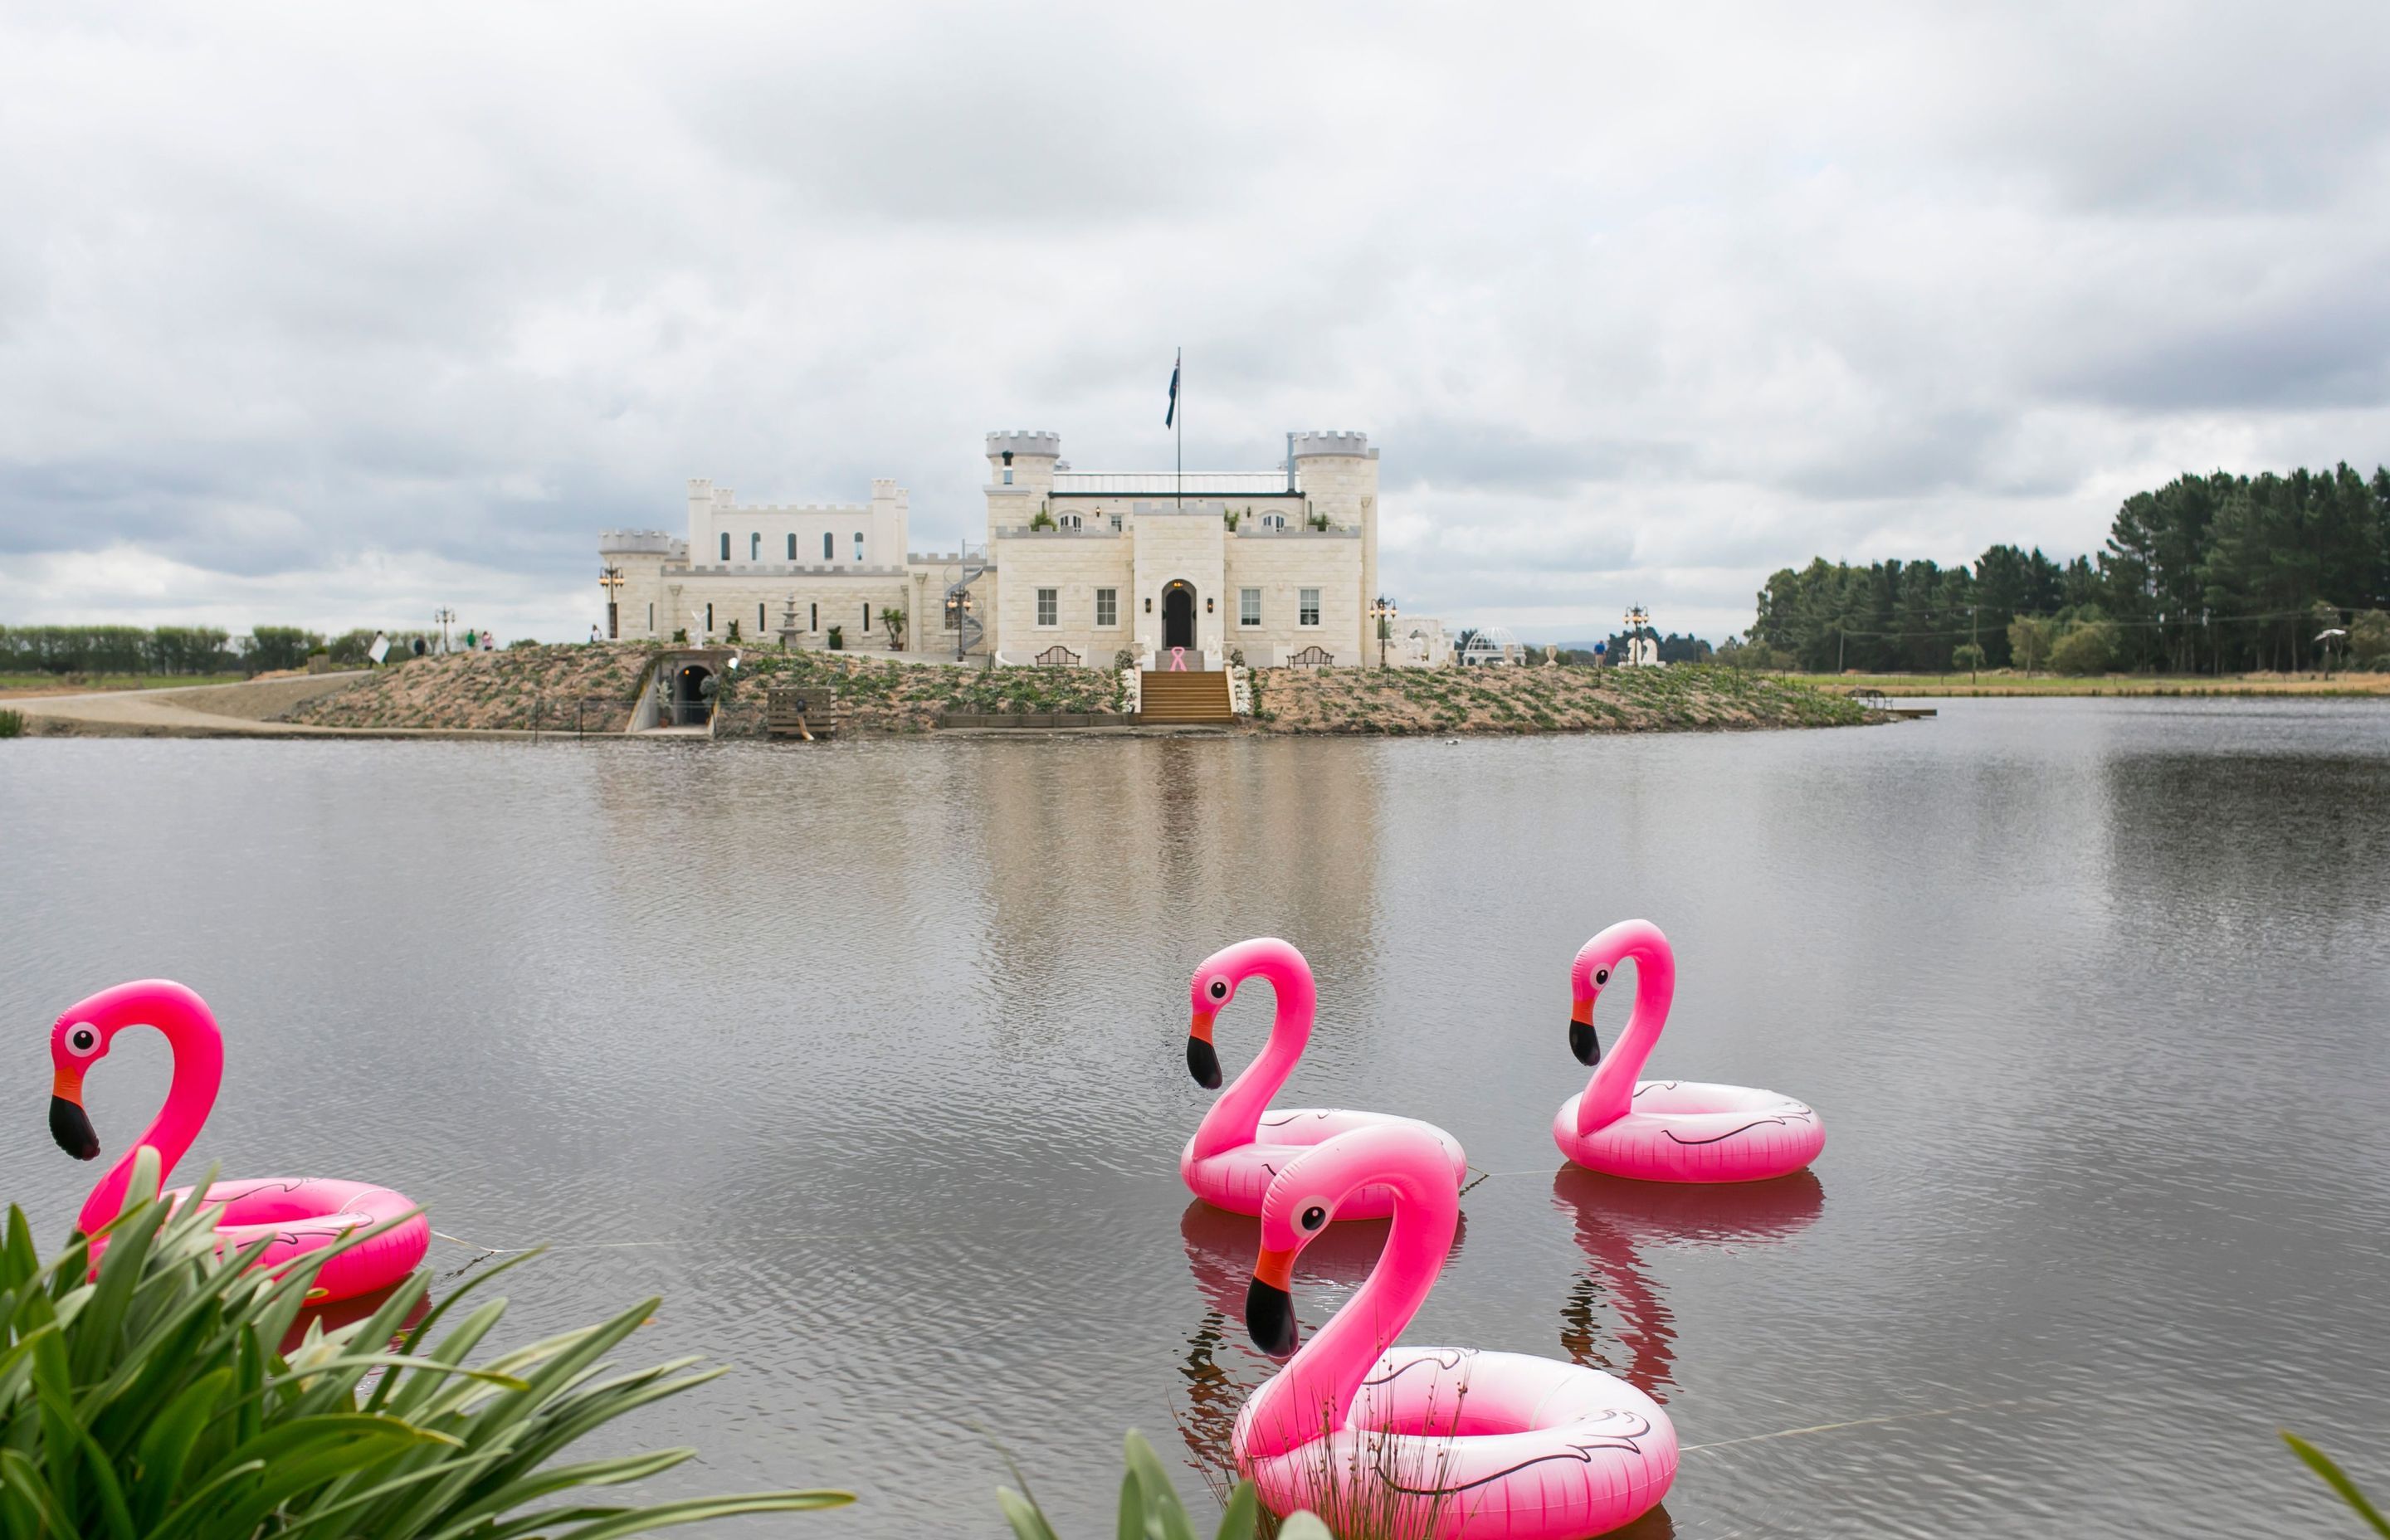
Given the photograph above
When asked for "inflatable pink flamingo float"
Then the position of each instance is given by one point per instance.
(298, 1214)
(1666, 1130)
(1449, 1441)
(1243, 1142)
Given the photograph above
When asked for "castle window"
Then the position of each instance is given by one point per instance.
(726, 544)
(829, 550)
(1049, 607)
(651, 619)
(1072, 522)
(1273, 520)
(866, 619)
(759, 618)
(1308, 610)
(813, 617)
(1007, 475)
(1107, 607)
(1116, 523)
(858, 546)
(708, 611)
(755, 547)
(1248, 607)
(793, 545)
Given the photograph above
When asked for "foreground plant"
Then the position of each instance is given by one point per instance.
(1150, 1509)
(2322, 1464)
(155, 1403)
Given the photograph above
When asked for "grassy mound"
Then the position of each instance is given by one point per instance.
(521, 687)
(1538, 701)
(881, 697)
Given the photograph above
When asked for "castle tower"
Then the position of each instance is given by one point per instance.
(1020, 475)
(1336, 473)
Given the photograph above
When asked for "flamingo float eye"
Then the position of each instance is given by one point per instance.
(1219, 990)
(1600, 977)
(1313, 1217)
(82, 1039)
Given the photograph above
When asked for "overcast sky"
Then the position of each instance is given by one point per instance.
(334, 314)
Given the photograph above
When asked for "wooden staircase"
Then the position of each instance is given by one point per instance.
(1184, 698)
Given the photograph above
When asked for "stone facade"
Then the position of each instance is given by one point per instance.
(1269, 565)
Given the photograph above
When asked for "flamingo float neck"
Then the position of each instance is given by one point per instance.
(1611, 1093)
(1236, 1117)
(1314, 1394)
(190, 1031)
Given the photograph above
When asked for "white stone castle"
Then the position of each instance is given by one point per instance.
(1276, 566)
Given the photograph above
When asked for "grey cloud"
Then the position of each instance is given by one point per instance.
(1635, 304)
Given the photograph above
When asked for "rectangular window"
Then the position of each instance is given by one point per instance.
(1106, 609)
(827, 539)
(726, 544)
(755, 546)
(813, 617)
(867, 617)
(1049, 607)
(1308, 608)
(759, 620)
(793, 545)
(858, 546)
(708, 611)
(1248, 607)
(651, 619)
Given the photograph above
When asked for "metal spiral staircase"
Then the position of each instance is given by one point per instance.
(968, 610)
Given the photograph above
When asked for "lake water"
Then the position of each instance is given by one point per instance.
(867, 1057)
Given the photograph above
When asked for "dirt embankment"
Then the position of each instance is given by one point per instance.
(522, 688)
(1540, 700)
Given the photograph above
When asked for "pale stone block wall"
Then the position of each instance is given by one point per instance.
(1073, 566)
(1171, 546)
(1281, 566)
(760, 533)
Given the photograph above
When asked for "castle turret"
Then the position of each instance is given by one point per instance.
(1020, 475)
(1336, 473)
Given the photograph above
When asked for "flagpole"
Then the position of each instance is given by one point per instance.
(1178, 372)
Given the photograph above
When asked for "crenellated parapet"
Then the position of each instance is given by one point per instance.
(1318, 442)
(1023, 442)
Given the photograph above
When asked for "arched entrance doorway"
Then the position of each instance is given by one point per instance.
(690, 705)
(1178, 615)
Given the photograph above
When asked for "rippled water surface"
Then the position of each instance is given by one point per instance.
(867, 1057)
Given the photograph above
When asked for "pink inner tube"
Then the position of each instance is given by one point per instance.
(304, 1214)
(1685, 1131)
(1485, 1444)
(1665, 1130)
(297, 1215)
(1243, 1142)
(1444, 1442)
(1238, 1178)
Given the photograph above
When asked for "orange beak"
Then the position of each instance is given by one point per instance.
(1269, 1308)
(69, 1125)
(1582, 1041)
(1201, 1061)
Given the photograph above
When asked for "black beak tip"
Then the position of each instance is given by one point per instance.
(1582, 1041)
(1204, 1063)
(1269, 1318)
(72, 1129)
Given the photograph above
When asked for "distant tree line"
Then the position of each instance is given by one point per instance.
(183, 649)
(2208, 573)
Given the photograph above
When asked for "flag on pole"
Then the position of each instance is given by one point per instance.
(1168, 417)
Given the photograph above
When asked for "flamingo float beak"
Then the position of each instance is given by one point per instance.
(1582, 1041)
(69, 1123)
(1269, 1307)
(1201, 1061)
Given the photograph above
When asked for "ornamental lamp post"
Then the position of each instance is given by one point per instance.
(610, 578)
(1384, 612)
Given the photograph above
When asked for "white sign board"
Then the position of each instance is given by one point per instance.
(381, 647)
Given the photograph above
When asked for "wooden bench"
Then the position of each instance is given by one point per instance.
(1058, 656)
(790, 712)
(1314, 656)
